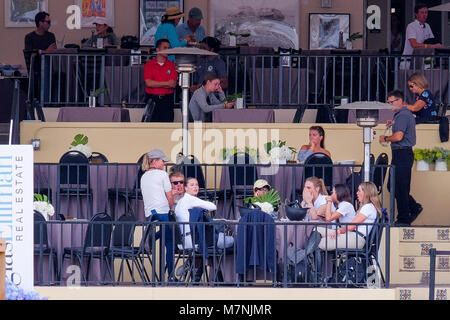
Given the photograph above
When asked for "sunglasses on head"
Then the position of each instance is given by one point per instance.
(177, 182)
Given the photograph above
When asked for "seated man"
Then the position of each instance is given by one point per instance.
(103, 32)
(41, 39)
(177, 182)
(261, 187)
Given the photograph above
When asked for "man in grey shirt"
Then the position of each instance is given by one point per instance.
(402, 140)
(207, 98)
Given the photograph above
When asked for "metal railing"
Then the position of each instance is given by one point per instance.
(311, 80)
(114, 188)
(433, 253)
(270, 253)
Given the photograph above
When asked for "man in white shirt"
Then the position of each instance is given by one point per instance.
(417, 32)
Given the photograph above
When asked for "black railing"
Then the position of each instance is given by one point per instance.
(314, 80)
(115, 189)
(433, 253)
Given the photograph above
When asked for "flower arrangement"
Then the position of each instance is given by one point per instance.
(228, 153)
(13, 292)
(80, 144)
(268, 202)
(279, 150)
(42, 204)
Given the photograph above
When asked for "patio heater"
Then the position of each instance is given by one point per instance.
(185, 63)
(367, 118)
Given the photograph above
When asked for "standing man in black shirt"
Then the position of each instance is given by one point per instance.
(41, 39)
(402, 140)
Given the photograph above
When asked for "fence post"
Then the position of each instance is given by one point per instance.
(432, 273)
(2, 269)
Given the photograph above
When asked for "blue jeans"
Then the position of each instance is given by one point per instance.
(168, 239)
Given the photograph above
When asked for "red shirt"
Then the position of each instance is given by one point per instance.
(154, 71)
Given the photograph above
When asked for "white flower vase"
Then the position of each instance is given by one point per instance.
(423, 166)
(440, 166)
(279, 161)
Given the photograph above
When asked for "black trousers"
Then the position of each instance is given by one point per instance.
(164, 105)
(403, 159)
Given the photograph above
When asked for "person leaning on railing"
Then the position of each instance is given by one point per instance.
(314, 198)
(425, 106)
(353, 236)
(345, 213)
(316, 144)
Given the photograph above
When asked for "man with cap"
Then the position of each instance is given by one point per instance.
(158, 198)
(160, 78)
(261, 187)
(192, 26)
(103, 31)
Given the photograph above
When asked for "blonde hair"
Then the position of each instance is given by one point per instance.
(146, 162)
(371, 195)
(419, 79)
(318, 183)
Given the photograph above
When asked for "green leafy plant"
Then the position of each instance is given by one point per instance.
(271, 197)
(229, 152)
(234, 96)
(79, 139)
(100, 91)
(426, 155)
(355, 36)
(441, 154)
(41, 197)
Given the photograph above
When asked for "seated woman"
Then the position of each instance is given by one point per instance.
(345, 211)
(210, 64)
(314, 198)
(316, 144)
(425, 106)
(354, 236)
(187, 202)
(204, 99)
(102, 31)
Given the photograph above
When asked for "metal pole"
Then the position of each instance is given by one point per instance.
(432, 273)
(185, 85)
(367, 140)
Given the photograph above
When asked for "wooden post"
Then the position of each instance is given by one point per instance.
(2, 269)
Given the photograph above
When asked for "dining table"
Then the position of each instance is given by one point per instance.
(244, 115)
(97, 114)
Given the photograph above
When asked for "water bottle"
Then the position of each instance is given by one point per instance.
(92, 100)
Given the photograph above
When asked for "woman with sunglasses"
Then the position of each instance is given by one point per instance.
(425, 106)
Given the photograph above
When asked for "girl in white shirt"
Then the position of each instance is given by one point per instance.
(190, 201)
(354, 236)
(345, 213)
(314, 198)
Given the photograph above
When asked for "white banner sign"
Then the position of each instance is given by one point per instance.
(16, 212)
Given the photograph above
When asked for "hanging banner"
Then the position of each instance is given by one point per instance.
(16, 212)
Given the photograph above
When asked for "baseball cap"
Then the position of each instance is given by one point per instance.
(196, 13)
(261, 183)
(157, 154)
(100, 20)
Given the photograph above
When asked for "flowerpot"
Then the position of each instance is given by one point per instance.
(423, 166)
(440, 166)
(348, 45)
(279, 161)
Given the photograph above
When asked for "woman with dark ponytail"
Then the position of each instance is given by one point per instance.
(316, 144)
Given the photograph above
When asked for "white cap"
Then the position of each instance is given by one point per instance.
(100, 20)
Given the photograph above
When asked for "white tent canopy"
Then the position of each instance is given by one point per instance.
(442, 7)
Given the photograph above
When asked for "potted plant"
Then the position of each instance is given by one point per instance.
(442, 157)
(352, 37)
(423, 157)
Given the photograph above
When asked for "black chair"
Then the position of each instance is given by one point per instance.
(96, 245)
(97, 157)
(369, 251)
(123, 248)
(42, 248)
(354, 180)
(74, 180)
(319, 165)
(379, 172)
(243, 174)
(127, 194)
